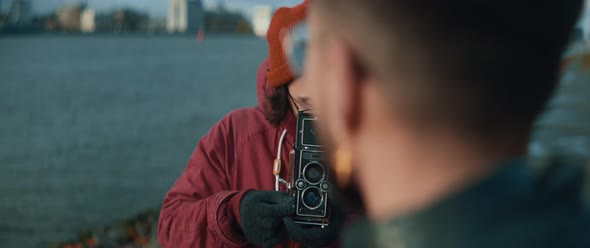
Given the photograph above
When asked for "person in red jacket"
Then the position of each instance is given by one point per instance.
(226, 196)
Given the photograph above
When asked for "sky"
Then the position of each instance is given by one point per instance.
(153, 7)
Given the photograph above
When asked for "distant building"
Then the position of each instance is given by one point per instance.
(104, 23)
(586, 24)
(157, 25)
(222, 20)
(127, 20)
(185, 16)
(49, 23)
(69, 17)
(1, 16)
(88, 21)
(262, 18)
(20, 13)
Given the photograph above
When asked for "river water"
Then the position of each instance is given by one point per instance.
(95, 129)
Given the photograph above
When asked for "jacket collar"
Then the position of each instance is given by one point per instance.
(515, 207)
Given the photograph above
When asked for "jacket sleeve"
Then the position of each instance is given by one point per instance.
(200, 210)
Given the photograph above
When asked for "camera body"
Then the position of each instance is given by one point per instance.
(309, 175)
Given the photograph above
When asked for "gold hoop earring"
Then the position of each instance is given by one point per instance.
(343, 166)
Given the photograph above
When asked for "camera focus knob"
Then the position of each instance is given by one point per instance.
(300, 184)
(325, 186)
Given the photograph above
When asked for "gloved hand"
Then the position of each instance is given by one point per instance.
(315, 236)
(262, 214)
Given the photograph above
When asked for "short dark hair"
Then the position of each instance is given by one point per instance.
(488, 66)
(276, 105)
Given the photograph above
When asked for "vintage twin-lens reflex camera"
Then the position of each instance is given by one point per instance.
(309, 175)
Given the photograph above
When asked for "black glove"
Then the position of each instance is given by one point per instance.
(315, 236)
(262, 214)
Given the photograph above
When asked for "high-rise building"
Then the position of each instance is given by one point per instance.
(1, 16)
(262, 17)
(21, 13)
(88, 21)
(185, 16)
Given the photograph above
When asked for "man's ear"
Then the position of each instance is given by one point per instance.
(348, 86)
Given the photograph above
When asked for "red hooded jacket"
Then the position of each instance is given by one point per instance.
(237, 155)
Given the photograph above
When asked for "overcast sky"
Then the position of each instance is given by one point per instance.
(153, 7)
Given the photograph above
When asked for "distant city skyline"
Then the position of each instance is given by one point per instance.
(157, 8)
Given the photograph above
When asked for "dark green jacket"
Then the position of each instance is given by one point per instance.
(515, 207)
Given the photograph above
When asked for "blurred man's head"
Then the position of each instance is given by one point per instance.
(476, 70)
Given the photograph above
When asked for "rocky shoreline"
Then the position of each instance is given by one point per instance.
(139, 231)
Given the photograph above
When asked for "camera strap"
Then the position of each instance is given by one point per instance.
(277, 165)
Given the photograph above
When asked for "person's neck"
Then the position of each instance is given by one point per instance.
(399, 178)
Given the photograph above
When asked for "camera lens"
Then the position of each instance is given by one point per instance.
(312, 198)
(314, 173)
